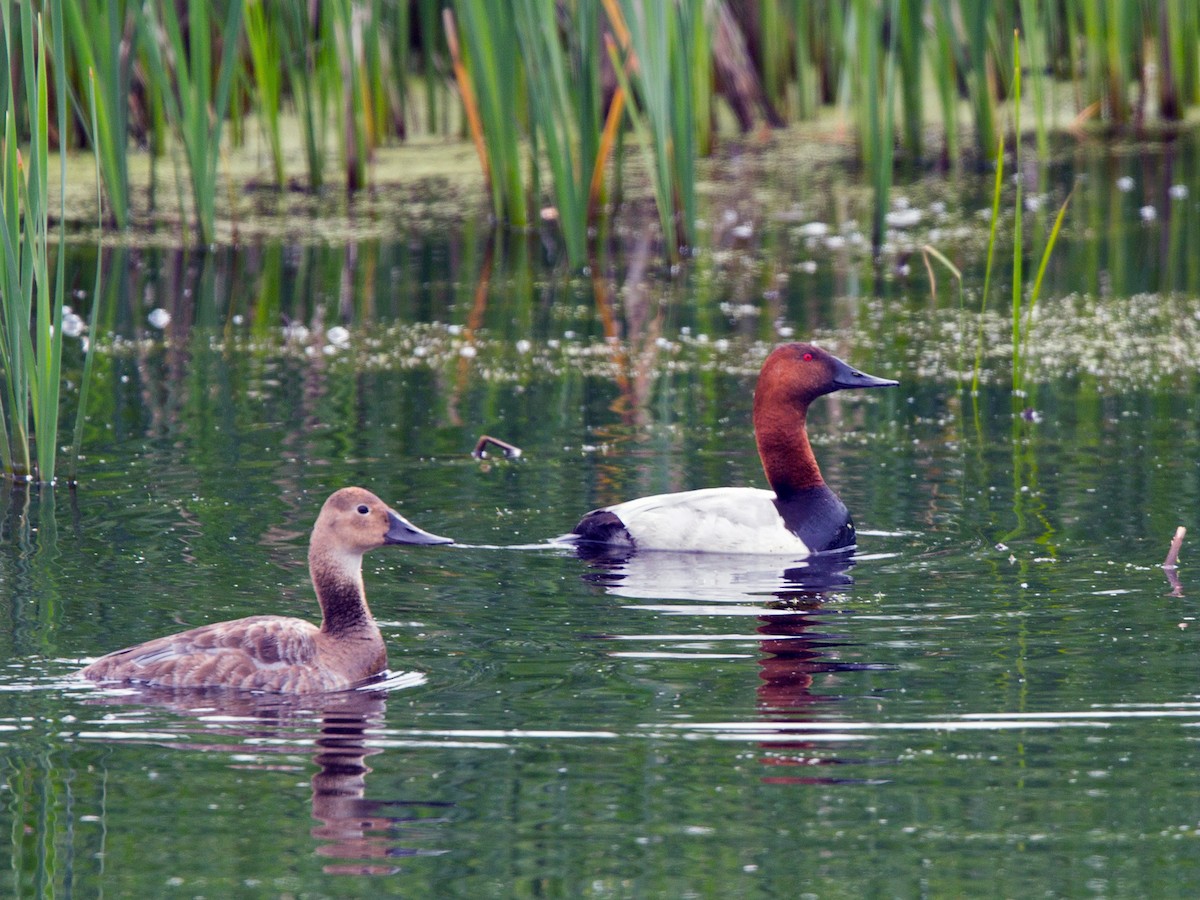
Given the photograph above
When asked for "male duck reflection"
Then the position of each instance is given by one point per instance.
(799, 515)
(277, 653)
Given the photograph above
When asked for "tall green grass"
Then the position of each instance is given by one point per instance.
(872, 95)
(1024, 304)
(308, 50)
(181, 51)
(1023, 297)
(532, 93)
(356, 104)
(89, 358)
(489, 63)
(101, 32)
(561, 105)
(266, 50)
(657, 72)
(535, 79)
(31, 304)
(32, 280)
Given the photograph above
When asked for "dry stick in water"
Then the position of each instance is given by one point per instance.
(1169, 565)
(1176, 543)
(511, 451)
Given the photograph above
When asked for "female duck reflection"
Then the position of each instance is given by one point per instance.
(363, 836)
(797, 653)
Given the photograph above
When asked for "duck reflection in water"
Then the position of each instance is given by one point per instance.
(798, 652)
(364, 836)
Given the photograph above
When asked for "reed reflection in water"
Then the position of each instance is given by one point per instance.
(360, 836)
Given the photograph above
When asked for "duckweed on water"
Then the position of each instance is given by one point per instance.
(1122, 343)
(1119, 343)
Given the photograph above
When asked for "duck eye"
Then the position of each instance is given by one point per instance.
(363, 508)
(808, 357)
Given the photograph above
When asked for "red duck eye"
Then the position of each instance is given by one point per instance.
(808, 357)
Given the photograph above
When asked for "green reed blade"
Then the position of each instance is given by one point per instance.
(196, 107)
(375, 101)
(307, 58)
(976, 17)
(649, 30)
(773, 41)
(830, 23)
(492, 57)
(429, 19)
(50, 369)
(31, 317)
(873, 105)
(13, 319)
(1018, 214)
(395, 29)
(99, 48)
(646, 146)
(355, 148)
(1051, 240)
(1120, 48)
(660, 37)
(262, 36)
(1034, 31)
(47, 338)
(908, 31)
(1022, 312)
(694, 55)
(703, 95)
(89, 355)
(585, 54)
(357, 23)
(943, 63)
(998, 184)
(885, 158)
(554, 109)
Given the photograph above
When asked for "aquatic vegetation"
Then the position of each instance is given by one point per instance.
(563, 104)
(31, 309)
(1141, 342)
(72, 325)
(1022, 306)
(195, 104)
(875, 102)
(662, 61)
(32, 281)
(309, 51)
(562, 97)
(97, 29)
(488, 68)
(265, 52)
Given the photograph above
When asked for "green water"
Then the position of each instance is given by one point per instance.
(998, 698)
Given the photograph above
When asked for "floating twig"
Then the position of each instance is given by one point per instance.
(1170, 567)
(511, 451)
(1173, 553)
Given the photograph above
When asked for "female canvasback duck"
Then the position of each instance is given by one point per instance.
(278, 653)
(799, 515)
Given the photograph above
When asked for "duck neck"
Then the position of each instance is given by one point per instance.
(339, 586)
(787, 457)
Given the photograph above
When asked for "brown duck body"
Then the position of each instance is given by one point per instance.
(279, 653)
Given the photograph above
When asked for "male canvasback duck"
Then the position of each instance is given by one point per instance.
(799, 515)
(279, 653)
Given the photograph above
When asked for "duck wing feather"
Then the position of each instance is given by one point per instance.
(257, 653)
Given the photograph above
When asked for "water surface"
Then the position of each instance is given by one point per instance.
(996, 696)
